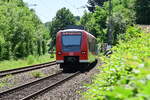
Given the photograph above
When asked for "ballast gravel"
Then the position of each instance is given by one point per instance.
(71, 89)
(22, 78)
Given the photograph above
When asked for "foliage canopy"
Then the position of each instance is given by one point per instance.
(21, 31)
(63, 18)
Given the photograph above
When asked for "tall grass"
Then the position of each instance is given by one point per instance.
(30, 60)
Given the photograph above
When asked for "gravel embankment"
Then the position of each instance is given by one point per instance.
(22, 78)
(70, 89)
(21, 93)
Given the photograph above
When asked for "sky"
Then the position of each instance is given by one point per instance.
(46, 9)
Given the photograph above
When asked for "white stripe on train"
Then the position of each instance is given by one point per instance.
(62, 61)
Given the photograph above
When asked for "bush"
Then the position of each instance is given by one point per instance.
(125, 75)
(131, 32)
(21, 31)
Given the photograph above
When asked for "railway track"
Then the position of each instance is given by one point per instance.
(32, 89)
(25, 69)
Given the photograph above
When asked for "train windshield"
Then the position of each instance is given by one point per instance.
(71, 43)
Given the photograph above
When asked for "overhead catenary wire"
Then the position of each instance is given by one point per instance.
(34, 2)
(72, 5)
(77, 10)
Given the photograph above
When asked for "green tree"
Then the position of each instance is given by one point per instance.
(123, 15)
(63, 18)
(85, 19)
(95, 23)
(142, 11)
(20, 31)
(93, 3)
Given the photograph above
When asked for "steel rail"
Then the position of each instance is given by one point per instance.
(26, 84)
(35, 83)
(25, 69)
(49, 87)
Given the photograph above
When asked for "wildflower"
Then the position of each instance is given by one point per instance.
(136, 71)
(135, 57)
(113, 70)
(148, 76)
(141, 65)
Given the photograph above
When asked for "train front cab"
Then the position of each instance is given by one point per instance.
(73, 48)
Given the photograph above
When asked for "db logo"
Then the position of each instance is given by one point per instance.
(71, 54)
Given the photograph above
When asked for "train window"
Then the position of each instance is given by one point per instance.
(93, 45)
(71, 42)
(91, 42)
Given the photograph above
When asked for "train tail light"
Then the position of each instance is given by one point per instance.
(59, 53)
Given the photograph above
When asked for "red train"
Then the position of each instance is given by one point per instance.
(75, 47)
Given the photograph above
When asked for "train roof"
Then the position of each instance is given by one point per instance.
(77, 30)
(68, 30)
(91, 35)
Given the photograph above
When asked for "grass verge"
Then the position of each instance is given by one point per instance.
(30, 60)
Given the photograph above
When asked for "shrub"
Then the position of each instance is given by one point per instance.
(131, 32)
(52, 56)
(125, 75)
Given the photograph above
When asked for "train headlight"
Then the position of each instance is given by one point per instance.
(59, 53)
